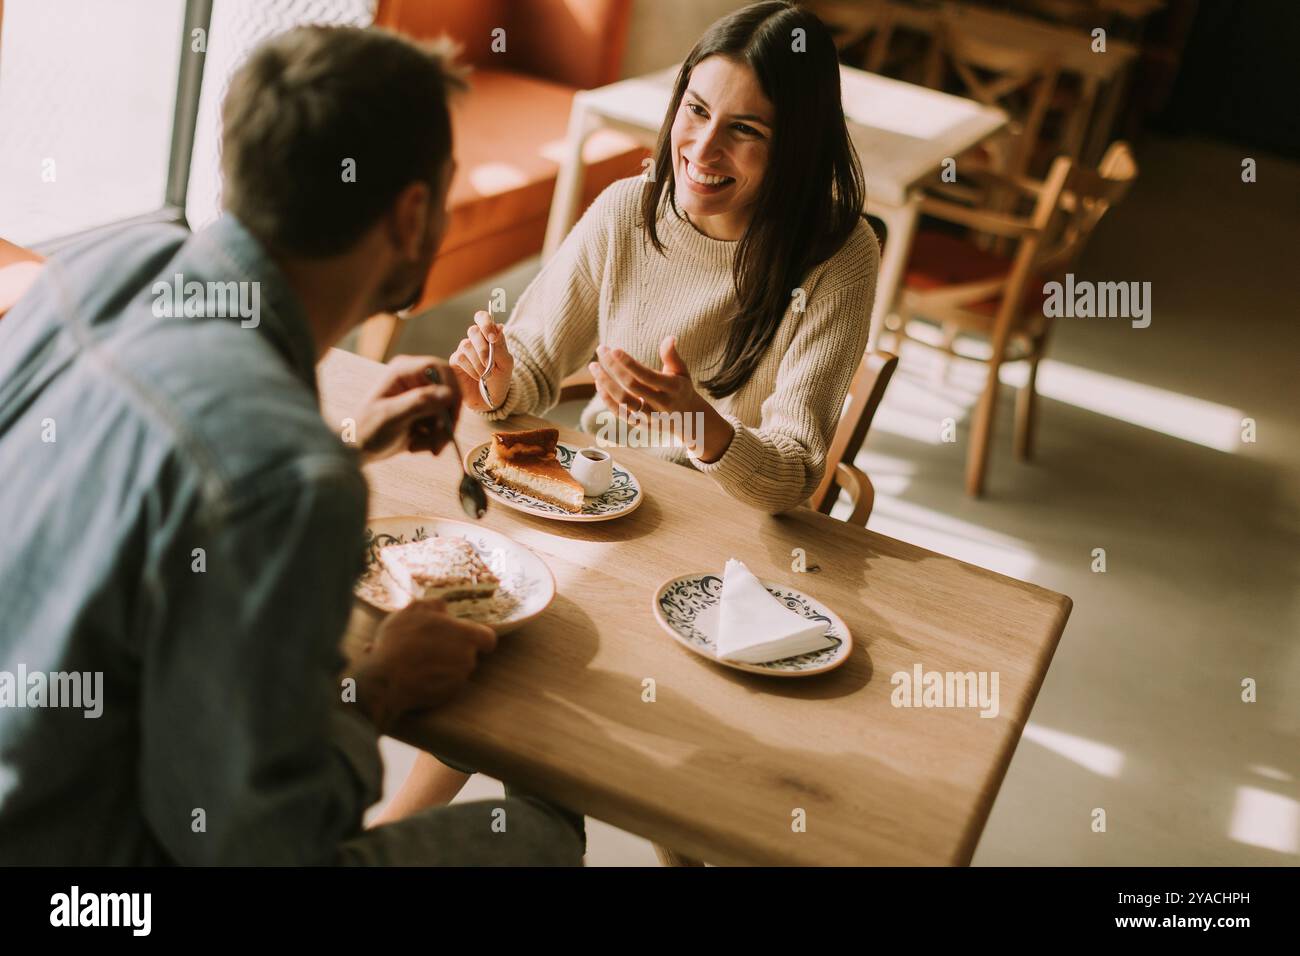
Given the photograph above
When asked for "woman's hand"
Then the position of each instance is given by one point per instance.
(405, 411)
(470, 359)
(634, 392)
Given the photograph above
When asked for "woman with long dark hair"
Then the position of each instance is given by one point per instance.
(731, 284)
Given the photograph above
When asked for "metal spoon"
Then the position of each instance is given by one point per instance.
(482, 379)
(473, 499)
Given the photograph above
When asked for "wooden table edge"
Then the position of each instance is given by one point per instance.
(992, 785)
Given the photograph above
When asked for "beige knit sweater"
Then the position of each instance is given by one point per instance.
(607, 284)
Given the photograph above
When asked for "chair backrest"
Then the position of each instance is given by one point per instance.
(852, 22)
(1018, 81)
(578, 43)
(865, 393)
(1071, 201)
(1027, 263)
(1076, 13)
(1067, 206)
(1087, 195)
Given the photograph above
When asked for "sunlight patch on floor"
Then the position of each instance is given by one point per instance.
(1179, 416)
(938, 532)
(1098, 757)
(1265, 819)
(933, 384)
(1272, 773)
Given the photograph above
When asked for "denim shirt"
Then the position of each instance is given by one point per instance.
(180, 527)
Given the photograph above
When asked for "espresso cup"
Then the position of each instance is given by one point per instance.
(594, 470)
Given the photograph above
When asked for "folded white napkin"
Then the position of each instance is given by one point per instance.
(754, 627)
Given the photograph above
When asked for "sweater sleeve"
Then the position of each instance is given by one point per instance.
(555, 326)
(777, 465)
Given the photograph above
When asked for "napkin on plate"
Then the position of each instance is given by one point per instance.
(754, 627)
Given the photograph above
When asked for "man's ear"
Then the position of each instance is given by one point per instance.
(409, 219)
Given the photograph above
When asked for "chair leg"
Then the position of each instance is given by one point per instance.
(895, 332)
(944, 370)
(977, 458)
(377, 335)
(669, 857)
(1026, 414)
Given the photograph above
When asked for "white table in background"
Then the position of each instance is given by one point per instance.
(902, 133)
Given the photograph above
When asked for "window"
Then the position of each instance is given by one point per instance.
(237, 27)
(111, 111)
(87, 96)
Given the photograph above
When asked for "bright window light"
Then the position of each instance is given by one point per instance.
(87, 96)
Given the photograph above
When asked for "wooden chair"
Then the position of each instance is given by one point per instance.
(18, 270)
(509, 127)
(865, 394)
(1075, 97)
(867, 25)
(950, 280)
(867, 35)
(1011, 79)
(1081, 14)
(579, 386)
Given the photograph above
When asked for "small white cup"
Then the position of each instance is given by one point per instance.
(594, 470)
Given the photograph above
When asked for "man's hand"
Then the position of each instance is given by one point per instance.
(421, 657)
(404, 413)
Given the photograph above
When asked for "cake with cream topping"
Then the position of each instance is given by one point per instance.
(442, 567)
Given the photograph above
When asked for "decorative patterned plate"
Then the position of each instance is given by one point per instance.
(527, 584)
(623, 497)
(687, 608)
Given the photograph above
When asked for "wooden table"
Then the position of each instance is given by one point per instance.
(902, 132)
(720, 762)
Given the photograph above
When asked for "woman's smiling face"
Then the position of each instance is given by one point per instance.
(721, 138)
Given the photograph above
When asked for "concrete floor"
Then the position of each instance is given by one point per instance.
(1140, 453)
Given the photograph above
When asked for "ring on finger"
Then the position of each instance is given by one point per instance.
(638, 416)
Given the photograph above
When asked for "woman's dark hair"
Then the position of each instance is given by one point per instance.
(812, 194)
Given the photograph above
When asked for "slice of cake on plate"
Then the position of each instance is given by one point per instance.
(448, 568)
(526, 461)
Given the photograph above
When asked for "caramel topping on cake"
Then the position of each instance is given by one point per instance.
(531, 444)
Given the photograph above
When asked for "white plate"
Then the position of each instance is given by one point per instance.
(686, 607)
(623, 497)
(527, 584)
